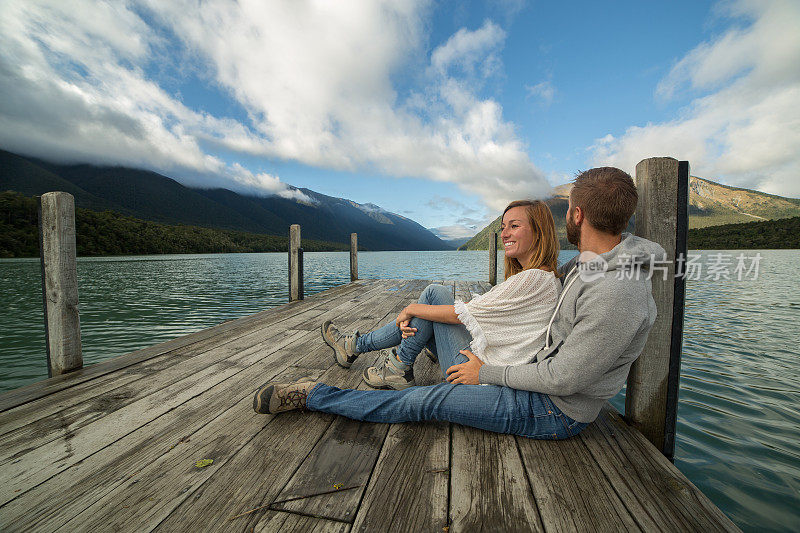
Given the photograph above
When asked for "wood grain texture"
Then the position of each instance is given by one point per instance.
(656, 220)
(39, 464)
(353, 256)
(58, 255)
(570, 490)
(408, 488)
(295, 270)
(659, 496)
(273, 521)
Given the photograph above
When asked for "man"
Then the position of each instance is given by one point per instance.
(599, 328)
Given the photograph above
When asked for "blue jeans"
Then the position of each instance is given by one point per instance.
(444, 340)
(489, 407)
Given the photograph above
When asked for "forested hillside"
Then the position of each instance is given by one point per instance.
(109, 233)
(768, 234)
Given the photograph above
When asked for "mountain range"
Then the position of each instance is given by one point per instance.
(710, 204)
(151, 196)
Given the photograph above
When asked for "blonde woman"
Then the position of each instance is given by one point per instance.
(505, 326)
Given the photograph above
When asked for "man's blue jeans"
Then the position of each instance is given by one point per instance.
(489, 407)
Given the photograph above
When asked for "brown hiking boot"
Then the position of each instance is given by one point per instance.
(274, 398)
(343, 344)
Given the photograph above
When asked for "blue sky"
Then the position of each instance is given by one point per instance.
(440, 111)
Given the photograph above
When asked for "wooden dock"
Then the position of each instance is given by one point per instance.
(114, 446)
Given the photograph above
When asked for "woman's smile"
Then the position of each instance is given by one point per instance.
(517, 234)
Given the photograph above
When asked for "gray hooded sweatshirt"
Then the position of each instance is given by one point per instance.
(598, 329)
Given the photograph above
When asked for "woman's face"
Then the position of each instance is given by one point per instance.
(517, 235)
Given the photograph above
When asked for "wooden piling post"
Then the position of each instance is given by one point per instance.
(353, 256)
(493, 259)
(651, 399)
(295, 264)
(57, 251)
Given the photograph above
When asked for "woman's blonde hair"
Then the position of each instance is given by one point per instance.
(545, 242)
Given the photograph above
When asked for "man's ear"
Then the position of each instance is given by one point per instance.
(578, 215)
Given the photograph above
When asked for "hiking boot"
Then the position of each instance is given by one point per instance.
(429, 354)
(343, 344)
(389, 372)
(274, 398)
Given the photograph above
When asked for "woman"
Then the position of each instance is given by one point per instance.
(505, 326)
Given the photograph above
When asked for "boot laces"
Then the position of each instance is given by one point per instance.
(293, 397)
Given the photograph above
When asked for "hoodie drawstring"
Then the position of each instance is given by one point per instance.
(558, 305)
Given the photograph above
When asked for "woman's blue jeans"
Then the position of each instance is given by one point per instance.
(490, 407)
(444, 340)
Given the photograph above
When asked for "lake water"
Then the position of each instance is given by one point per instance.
(738, 433)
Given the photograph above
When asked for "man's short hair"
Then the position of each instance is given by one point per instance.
(607, 196)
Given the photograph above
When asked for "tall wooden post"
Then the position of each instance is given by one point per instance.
(651, 399)
(57, 251)
(353, 256)
(493, 258)
(295, 264)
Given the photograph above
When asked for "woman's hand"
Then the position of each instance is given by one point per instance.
(467, 373)
(406, 330)
(403, 320)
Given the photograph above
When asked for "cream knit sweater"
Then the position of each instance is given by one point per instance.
(509, 322)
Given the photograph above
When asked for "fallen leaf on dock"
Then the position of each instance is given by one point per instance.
(202, 463)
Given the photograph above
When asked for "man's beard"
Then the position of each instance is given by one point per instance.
(573, 231)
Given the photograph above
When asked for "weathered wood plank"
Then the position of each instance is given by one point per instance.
(569, 487)
(243, 487)
(344, 457)
(41, 463)
(72, 418)
(487, 480)
(288, 522)
(295, 264)
(488, 483)
(87, 481)
(148, 499)
(408, 489)
(254, 477)
(42, 388)
(353, 256)
(657, 493)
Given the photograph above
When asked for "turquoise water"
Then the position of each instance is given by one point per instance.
(739, 412)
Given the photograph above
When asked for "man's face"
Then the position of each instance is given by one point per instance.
(573, 230)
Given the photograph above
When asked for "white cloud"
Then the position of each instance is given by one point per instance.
(467, 50)
(544, 90)
(744, 125)
(456, 231)
(317, 82)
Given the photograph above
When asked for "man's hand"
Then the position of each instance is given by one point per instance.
(466, 373)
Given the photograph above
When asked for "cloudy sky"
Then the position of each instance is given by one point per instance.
(441, 111)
